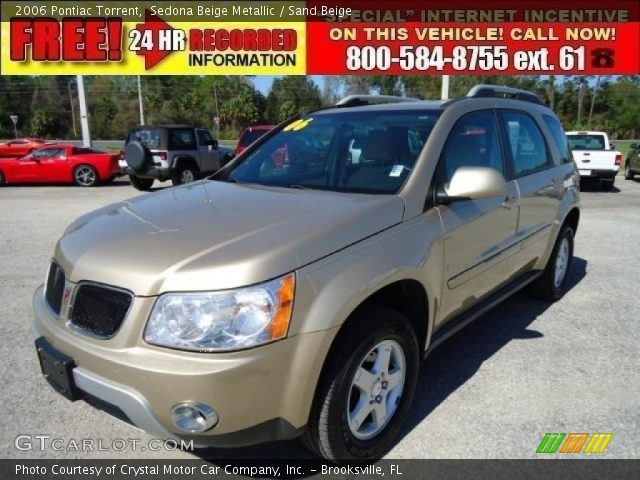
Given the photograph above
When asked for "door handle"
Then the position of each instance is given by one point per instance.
(508, 202)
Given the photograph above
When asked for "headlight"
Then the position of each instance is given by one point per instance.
(226, 320)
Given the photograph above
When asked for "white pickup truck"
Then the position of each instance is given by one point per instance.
(595, 156)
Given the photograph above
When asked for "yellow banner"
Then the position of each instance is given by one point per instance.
(160, 38)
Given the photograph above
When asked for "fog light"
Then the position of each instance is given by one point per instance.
(193, 417)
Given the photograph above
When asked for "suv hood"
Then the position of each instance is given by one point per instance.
(213, 235)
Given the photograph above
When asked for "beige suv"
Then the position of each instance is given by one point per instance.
(296, 291)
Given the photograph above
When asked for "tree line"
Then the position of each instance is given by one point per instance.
(47, 106)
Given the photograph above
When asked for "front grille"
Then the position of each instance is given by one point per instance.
(55, 287)
(100, 310)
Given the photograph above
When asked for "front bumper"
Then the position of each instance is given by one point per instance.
(261, 394)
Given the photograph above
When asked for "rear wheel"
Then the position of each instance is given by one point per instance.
(185, 173)
(367, 387)
(628, 173)
(142, 184)
(85, 176)
(553, 282)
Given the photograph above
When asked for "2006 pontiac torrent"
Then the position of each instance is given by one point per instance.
(296, 291)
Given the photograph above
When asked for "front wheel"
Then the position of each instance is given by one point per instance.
(552, 284)
(628, 173)
(367, 387)
(85, 176)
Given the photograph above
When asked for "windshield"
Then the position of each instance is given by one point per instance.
(586, 142)
(251, 136)
(366, 152)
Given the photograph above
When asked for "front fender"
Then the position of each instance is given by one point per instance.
(329, 290)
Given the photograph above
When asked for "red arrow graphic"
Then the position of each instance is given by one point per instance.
(153, 24)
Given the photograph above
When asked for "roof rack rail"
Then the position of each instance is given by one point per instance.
(357, 100)
(505, 92)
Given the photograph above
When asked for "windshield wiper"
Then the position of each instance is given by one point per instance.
(296, 186)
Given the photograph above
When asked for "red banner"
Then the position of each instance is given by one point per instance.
(404, 38)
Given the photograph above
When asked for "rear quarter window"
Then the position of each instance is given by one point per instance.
(150, 138)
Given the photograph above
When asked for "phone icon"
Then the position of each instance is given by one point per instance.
(602, 58)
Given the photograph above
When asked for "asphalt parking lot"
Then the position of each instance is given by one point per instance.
(492, 391)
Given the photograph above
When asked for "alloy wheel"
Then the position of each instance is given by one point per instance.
(376, 390)
(85, 176)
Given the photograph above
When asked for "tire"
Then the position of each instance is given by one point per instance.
(185, 172)
(85, 176)
(547, 286)
(137, 156)
(2, 181)
(628, 173)
(328, 432)
(142, 184)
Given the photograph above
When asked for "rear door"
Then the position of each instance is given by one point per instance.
(540, 182)
(479, 234)
(209, 157)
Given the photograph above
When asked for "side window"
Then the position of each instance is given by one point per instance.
(526, 143)
(204, 138)
(48, 153)
(473, 142)
(182, 139)
(559, 137)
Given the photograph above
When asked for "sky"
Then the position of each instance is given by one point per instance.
(263, 83)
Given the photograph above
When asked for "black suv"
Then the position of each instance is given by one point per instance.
(179, 153)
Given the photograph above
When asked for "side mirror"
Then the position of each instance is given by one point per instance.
(474, 183)
(214, 144)
(634, 146)
(612, 146)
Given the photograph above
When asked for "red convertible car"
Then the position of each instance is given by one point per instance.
(61, 164)
(20, 147)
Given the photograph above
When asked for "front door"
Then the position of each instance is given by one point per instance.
(209, 156)
(40, 166)
(479, 235)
